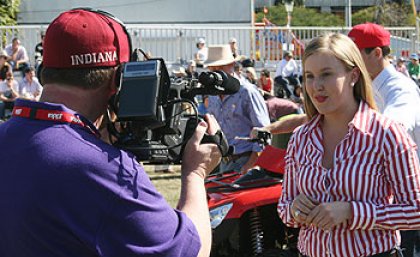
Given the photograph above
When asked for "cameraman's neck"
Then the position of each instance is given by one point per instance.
(89, 103)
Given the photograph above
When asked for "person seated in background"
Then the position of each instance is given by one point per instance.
(29, 86)
(266, 82)
(286, 73)
(39, 51)
(192, 70)
(414, 67)
(9, 89)
(251, 75)
(202, 52)
(18, 57)
(234, 47)
(400, 66)
(4, 65)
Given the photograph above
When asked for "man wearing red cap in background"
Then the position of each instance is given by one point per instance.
(396, 95)
(74, 195)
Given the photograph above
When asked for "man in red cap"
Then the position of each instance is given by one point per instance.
(64, 191)
(396, 95)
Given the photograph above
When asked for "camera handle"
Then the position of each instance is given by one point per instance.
(219, 138)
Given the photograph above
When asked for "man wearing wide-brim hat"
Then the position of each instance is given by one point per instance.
(237, 114)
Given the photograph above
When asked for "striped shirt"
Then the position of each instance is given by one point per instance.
(376, 170)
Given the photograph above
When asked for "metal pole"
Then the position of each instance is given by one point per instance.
(289, 10)
(348, 14)
(253, 45)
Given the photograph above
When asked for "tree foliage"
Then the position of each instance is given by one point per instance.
(300, 17)
(398, 13)
(393, 14)
(8, 12)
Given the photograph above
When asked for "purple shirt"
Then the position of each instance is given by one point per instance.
(64, 192)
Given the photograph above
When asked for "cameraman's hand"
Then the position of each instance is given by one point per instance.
(198, 158)
(197, 162)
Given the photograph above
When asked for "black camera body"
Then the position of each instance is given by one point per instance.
(143, 91)
(151, 117)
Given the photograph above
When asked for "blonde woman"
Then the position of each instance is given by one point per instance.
(352, 175)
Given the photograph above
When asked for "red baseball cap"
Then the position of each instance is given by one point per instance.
(370, 35)
(81, 38)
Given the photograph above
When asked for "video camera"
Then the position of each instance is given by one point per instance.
(151, 118)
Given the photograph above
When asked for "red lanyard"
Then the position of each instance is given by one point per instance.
(51, 115)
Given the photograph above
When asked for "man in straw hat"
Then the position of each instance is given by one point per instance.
(237, 114)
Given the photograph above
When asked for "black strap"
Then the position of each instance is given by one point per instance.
(220, 140)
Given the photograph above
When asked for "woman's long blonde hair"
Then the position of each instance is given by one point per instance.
(344, 49)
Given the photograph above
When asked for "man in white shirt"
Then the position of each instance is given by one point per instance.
(18, 57)
(29, 86)
(396, 96)
(286, 73)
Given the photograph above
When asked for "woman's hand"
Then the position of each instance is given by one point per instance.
(301, 207)
(328, 215)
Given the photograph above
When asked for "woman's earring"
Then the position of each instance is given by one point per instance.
(352, 84)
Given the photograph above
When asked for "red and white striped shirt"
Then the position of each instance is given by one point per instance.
(375, 168)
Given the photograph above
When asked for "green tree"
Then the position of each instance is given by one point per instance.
(300, 17)
(393, 14)
(8, 16)
(8, 12)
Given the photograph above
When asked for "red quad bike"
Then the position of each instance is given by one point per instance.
(243, 209)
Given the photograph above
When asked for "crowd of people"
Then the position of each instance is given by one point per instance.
(11, 89)
(352, 181)
(17, 76)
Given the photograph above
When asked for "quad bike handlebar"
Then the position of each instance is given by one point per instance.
(262, 137)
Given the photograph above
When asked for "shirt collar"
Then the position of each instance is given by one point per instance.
(360, 120)
(379, 81)
(57, 107)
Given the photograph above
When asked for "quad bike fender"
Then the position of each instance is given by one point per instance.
(246, 200)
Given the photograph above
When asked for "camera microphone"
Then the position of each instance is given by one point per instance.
(217, 83)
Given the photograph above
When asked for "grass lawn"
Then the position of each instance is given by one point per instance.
(168, 184)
